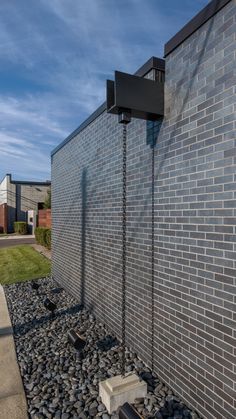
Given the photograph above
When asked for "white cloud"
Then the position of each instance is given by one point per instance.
(15, 151)
(30, 131)
(59, 53)
(29, 111)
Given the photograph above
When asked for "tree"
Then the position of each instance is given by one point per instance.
(47, 202)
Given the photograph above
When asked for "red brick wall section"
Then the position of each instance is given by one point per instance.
(3, 218)
(44, 218)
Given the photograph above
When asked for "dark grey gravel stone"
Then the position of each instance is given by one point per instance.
(59, 381)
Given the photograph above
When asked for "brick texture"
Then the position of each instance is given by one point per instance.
(44, 218)
(3, 218)
(195, 219)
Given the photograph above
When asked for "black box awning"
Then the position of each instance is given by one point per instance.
(142, 97)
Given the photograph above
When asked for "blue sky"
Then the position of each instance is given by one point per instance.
(55, 56)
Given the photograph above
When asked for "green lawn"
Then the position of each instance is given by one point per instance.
(21, 263)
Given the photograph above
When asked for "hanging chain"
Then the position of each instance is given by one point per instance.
(153, 258)
(124, 252)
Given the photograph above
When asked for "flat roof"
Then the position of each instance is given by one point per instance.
(26, 182)
(194, 24)
(157, 63)
(152, 63)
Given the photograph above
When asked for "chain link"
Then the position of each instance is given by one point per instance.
(153, 258)
(124, 252)
(123, 320)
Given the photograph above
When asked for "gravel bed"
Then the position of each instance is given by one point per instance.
(58, 383)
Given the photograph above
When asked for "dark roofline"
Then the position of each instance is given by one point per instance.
(157, 63)
(194, 24)
(26, 182)
(152, 63)
(84, 124)
(7, 174)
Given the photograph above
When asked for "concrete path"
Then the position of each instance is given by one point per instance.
(16, 240)
(17, 237)
(12, 396)
(45, 252)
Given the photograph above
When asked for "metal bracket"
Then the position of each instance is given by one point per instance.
(142, 98)
(124, 117)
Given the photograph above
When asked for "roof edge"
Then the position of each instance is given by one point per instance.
(152, 63)
(194, 24)
(25, 182)
(81, 127)
(28, 182)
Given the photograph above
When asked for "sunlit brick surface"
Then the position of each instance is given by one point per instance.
(195, 210)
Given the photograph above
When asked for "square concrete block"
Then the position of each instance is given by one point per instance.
(115, 391)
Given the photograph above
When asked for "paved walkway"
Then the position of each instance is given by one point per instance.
(7, 241)
(17, 237)
(12, 396)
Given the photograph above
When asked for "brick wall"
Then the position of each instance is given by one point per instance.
(3, 218)
(44, 218)
(195, 219)
(30, 196)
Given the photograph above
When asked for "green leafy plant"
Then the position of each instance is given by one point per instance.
(43, 236)
(47, 202)
(20, 227)
(48, 238)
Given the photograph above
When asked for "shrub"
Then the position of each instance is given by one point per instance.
(40, 235)
(47, 203)
(43, 236)
(48, 238)
(20, 227)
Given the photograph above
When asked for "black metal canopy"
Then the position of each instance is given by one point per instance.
(142, 97)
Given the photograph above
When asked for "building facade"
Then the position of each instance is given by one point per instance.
(20, 197)
(195, 217)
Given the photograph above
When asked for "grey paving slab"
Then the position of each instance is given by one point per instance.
(12, 397)
(15, 242)
(13, 407)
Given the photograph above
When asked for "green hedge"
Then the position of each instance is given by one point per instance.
(20, 227)
(48, 238)
(43, 236)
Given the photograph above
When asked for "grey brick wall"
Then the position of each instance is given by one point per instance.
(195, 219)
(21, 197)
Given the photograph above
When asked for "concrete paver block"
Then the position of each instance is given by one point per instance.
(13, 407)
(117, 390)
(12, 396)
(5, 321)
(11, 382)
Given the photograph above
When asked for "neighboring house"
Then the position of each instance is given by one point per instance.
(191, 327)
(19, 197)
